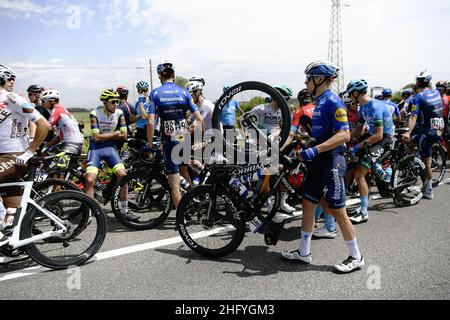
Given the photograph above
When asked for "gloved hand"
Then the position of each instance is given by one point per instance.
(23, 159)
(309, 154)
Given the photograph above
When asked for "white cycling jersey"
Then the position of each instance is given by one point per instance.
(268, 118)
(206, 109)
(14, 122)
(67, 125)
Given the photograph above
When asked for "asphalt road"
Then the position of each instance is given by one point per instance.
(407, 251)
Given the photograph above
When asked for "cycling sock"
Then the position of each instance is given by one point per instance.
(364, 204)
(305, 244)
(354, 250)
(429, 186)
(123, 206)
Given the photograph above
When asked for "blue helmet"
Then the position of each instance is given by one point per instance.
(323, 69)
(407, 92)
(357, 85)
(387, 93)
(142, 85)
(226, 88)
(165, 66)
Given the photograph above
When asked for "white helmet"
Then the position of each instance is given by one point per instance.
(198, 79)
(424, 77)
(346, 98)
(6, 73)
(193, 86)
(50, 94)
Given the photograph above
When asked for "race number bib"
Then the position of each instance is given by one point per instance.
(172, 127)
(437, 124)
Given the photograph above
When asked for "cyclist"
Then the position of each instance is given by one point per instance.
(108, 126)
(228, 117)
(198, 79)
(15, 149)
(404, 104)
(205, 107)
(393, 107)
(142, 109)
(302, 118)
(443, 87)
(70, 137)
(128, 111)
(325, 179)
(379, 119)
(171, 103)
(426, 124)
(34, 94)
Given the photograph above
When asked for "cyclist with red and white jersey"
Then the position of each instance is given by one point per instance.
(302, 118)
(443, 87)
(69, 137)
(15, 150)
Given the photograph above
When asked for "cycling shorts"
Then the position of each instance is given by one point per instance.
(73, 149)
(9, 172)
(425, 143)
(325, 179)
(377, 150)
(172, 165)
(107, 154)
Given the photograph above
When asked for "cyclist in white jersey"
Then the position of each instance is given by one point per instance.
(15, 150)
(70, 138)
(205, 106)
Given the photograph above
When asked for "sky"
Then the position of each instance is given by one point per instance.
(82, 47)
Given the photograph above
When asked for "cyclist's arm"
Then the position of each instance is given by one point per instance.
(144, 113)
(411, 124)
(199, 122)
(54, 141)
(42, 130)
(340, 138)
(150, 129)
(377, 137)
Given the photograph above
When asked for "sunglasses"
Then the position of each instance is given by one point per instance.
(114, 101)
(12, 79)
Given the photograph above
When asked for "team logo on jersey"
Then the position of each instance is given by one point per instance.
(413, 108)
(341, 115)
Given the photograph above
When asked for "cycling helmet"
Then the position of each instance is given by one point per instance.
(442, 85)
(324, 69)
(304, 96)
(50, 94)
(6, 73)
(34, 88)
(379, 97)
(191, 87)
(123, 91)
(424, 78)
(109, 94)
(357, 85)
(387, 93)
(285, 91)
(165, 67)
(226, 88)
(142, 85)
(198, 79)
(346, 99)
(407, 92)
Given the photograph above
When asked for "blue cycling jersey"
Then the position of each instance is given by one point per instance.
(171, 103)
(141, 123)
(228, 117)
(393, 108)
(428, 106)
(329, 117)
(377, 114)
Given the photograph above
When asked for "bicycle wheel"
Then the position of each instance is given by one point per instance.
(408, 181)
(254, 95)
(438, 164)
(86, 224)
(50, 186)
(213, 236)
(149, 198)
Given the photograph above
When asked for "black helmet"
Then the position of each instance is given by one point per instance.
(305, 97)
(34, 88)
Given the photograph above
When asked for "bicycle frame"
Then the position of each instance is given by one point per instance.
(15, 240)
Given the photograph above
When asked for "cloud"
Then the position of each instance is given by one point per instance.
(22, 6)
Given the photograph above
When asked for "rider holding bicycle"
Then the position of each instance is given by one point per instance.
(426, 124)
(171, 103)
(377, 116)
(15, 149)
(108, 127)
(325, 180)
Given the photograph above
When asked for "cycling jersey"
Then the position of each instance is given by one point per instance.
(102, 123)
(428, 108)
(141, 123)
(446, 103)
(171, 103)
(393, 108)
(14, 122)
(353, 118)
(307, 111)
(127, 110)
(206, 109)
(376, 114)
(267, 118)
(329, 117)
(67, 125)
(228, 116)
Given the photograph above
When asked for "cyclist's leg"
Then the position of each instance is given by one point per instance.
(112, 158)
(173, 172)
(92, 171)
(360, 175)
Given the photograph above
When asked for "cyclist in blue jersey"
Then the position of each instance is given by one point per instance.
(407, 95)
(142, 110)
(377, 116)
(426, 124)
(228, 117)
(108, 127)
(324, 182)
(171, 103)
(393, 107)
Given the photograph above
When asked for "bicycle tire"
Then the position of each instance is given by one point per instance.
(257, 86)
(39, 188)
(90, 207)
(184, 221)
(413, 166)
(439, 161)
(146, 201)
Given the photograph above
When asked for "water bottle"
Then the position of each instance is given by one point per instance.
(378, 171)
(388, 175)
(238, 186)
(184, 184)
